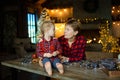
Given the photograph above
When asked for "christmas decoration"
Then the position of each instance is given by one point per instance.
(109, 42)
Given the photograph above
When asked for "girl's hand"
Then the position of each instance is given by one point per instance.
(48, 55)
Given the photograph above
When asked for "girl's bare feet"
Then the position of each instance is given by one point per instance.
(48, 68)
(60, 68)
(40, 63)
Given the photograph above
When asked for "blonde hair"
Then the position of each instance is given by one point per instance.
(45, 25)
(43, 18)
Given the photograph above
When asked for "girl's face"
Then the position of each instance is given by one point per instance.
(51, 31)
(69, 32)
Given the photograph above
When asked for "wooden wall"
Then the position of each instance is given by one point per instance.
(102, 10)
(12, 23)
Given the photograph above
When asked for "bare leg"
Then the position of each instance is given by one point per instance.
(40, 63)
(48, 68)
(60, 68)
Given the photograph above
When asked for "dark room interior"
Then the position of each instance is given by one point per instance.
(100, 21)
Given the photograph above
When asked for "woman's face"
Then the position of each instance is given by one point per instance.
(69, 32)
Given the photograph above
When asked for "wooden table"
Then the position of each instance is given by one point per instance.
(73, 71)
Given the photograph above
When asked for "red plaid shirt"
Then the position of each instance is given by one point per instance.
(47, 47)
(77, 50)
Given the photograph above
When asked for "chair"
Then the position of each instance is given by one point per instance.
(23, 46)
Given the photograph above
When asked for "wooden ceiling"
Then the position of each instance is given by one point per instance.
(57, 3)
(51, 3)
(60, 3)
(37, 2)
(116, 2)
(64, 3)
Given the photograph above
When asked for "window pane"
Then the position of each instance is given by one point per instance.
(31, 27)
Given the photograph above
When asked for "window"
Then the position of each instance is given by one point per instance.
(32, 27)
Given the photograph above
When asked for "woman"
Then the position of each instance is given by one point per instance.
(73, 44)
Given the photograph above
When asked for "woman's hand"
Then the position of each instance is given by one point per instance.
(64, 59)
(55, 53)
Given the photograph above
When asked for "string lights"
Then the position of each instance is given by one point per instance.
(116, 13)
(109, 42)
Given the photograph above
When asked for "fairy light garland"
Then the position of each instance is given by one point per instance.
(109, 42)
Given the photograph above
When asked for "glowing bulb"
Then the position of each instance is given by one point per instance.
(113, 7)
(52, 11)
(118, 11)
(56, 10)
(89, 41)
(99, 41)
(60, 13)
(118, 24)
(94, 39)
(113, 22)
(65, 10)
(112, 11)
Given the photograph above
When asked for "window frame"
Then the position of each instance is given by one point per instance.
(32, 26)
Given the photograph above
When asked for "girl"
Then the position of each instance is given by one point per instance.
(48, 48)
